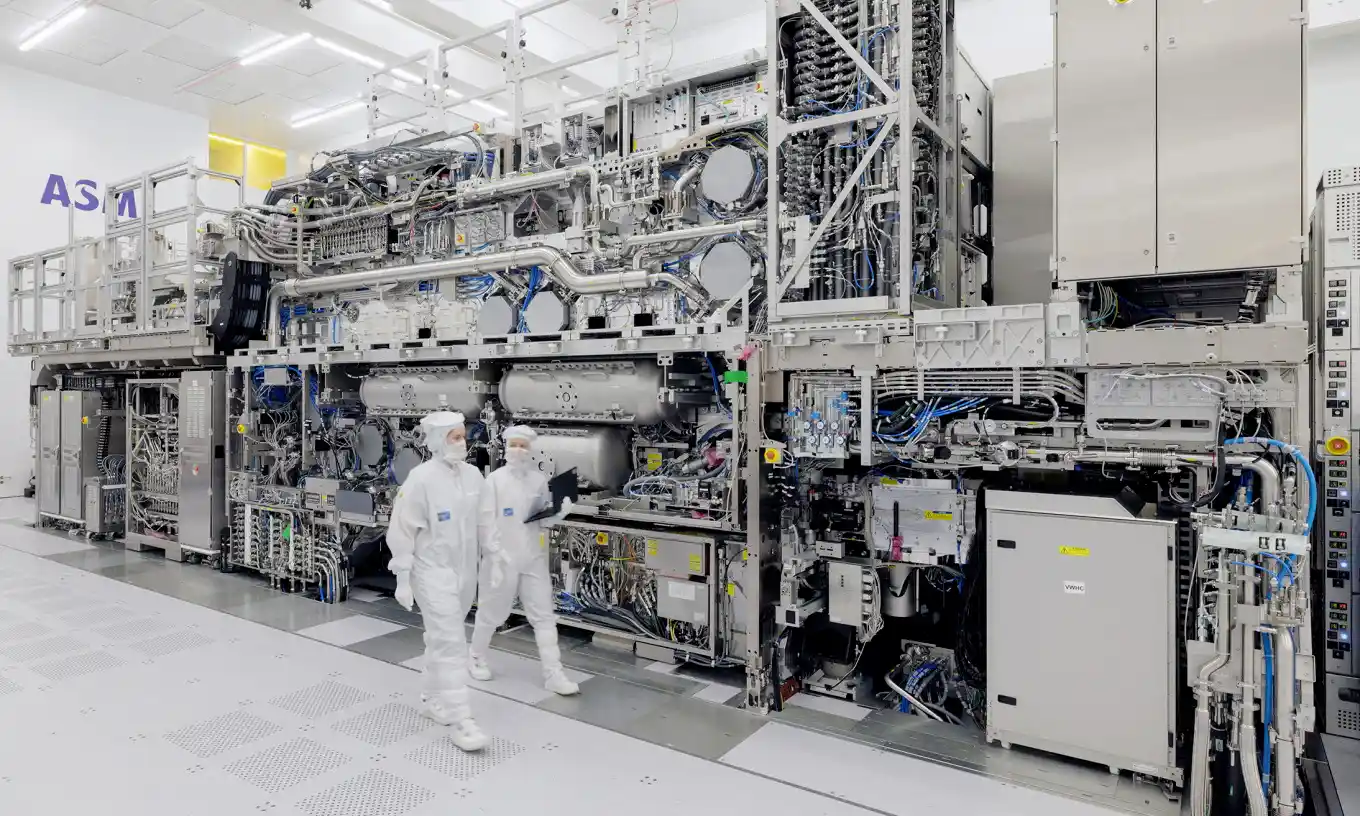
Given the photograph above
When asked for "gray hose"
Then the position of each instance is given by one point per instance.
(1199, 755)
(1285, 783)
(1246, 728)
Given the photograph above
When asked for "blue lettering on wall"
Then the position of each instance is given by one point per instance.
(57, 192)
(89, 199)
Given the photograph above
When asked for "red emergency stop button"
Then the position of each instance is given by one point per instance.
(1338, 445)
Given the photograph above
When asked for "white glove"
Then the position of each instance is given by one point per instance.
(403, 594)
(567, 504)
(497, 570)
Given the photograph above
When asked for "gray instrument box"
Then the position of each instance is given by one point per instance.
(1081, 648)
(680, 600)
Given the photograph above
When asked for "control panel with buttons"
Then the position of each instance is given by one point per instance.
(1336, 243)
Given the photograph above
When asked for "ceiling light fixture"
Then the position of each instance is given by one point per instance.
(52, 26)
(451, 92)
(488, 107)
(354, 55)
(312, 118)
(276, 47)
(407, 76)
(569, 91)
(382, 4)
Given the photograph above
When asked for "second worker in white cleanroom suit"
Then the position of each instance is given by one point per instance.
(515, 560)
(433, 536)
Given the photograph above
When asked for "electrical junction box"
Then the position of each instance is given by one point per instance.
(918, 520)
(681, 600)
(1081, 641)
(848, 592)
(678, 557)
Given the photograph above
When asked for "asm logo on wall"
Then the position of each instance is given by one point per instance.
(86, 194)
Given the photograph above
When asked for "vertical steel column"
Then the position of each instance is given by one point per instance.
(906, 156)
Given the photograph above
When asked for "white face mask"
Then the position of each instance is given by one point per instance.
(517, 457)
(455, 452)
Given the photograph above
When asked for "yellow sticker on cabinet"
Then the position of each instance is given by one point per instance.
(543, 541)
(745, 554)
(731, 589)
(653, 461)
(888, 482)
(1079, 552)
(602, 539)
(938, 515)
(696, 563)
(651, 547)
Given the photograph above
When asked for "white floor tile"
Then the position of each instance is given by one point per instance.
(513, 676)
(365, 595)
(856, 773)
(261, 720)
(830, 705)
(349, 630)
(16, 508)
(716, 693)
(25, 539)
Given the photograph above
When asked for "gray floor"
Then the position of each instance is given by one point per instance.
(818, 744)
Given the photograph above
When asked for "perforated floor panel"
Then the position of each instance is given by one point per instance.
(229, 717)
(179, 709)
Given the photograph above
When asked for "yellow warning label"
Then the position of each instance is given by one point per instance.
(602, 539)
(696, 563)
(774, 456)
(543, 541)
(760, 87)
(731, 589)
(459, 238)
(937, 515)
(1079, 552)
(654, 460)
(85, 420)
(745, 554)
(241, 428)
(651, 547)
(887, 482)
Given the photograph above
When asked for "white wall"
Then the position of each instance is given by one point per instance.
(1004, 37)
(53, 127)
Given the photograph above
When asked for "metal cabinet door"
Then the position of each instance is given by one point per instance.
(49, 452)
(1106, 125)
(1230, 134)
(72, 443)
(1079, 613)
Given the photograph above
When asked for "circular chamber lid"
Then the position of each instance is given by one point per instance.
(724, 269)
(403, 462)
(497, 316)
(545, 314)
(727, 175)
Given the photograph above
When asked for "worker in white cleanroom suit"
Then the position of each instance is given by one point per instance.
(515, 559)
(434, 536)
